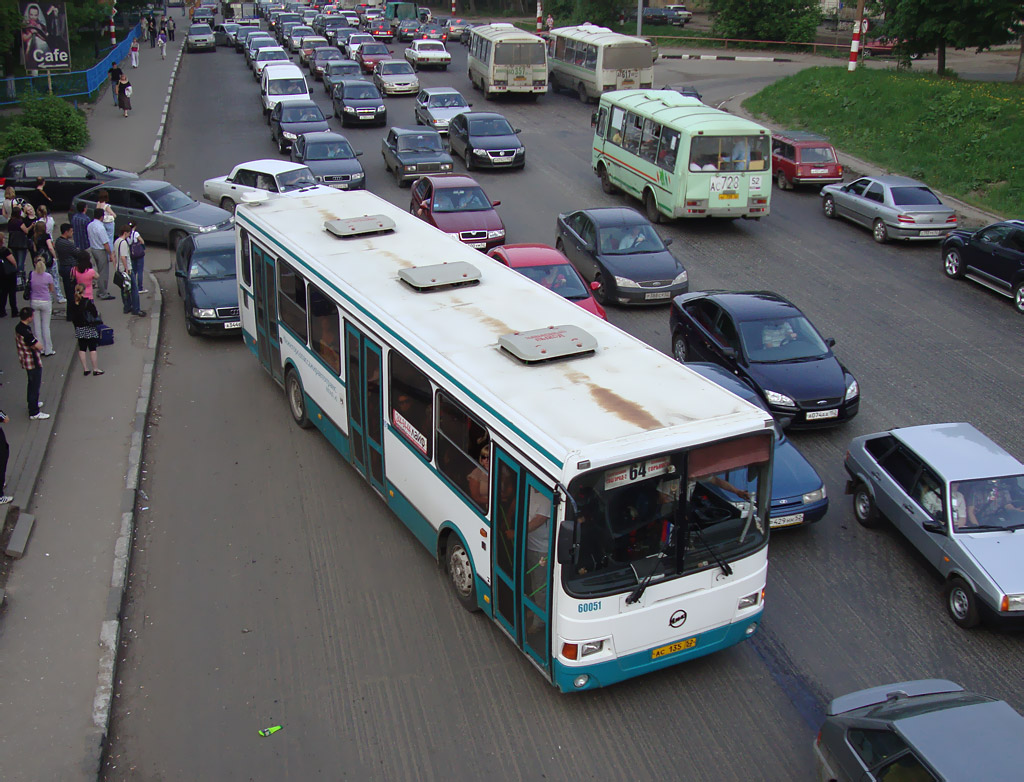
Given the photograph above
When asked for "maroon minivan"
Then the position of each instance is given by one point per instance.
(802, 158)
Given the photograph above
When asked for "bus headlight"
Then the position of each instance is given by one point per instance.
(199, 312)
(749, 601)
(623, 282)
(814, 496)
(591, 647)
(781, 400)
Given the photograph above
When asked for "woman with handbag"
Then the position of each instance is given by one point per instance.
(124, 94)
(39, 292)
(86, 320)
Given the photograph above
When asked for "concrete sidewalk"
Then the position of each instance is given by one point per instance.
(77, 474)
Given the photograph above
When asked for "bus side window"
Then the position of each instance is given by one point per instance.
(246, 261)
(602, 121)
(463, 451)
(634, 125)
(669, 149)
(324, 328)
(411, 398)
(291, 299)
(615, 125)
(591, 62)
(649, 140)
(560, 44)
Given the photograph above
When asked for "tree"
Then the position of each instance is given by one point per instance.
(766, 20)
(925, 26)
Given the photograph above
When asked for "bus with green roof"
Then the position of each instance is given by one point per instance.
(681, 158)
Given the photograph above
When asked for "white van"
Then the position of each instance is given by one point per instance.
(281, 82)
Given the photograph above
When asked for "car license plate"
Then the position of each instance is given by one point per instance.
(819, 170)
(477, 245)
(367, 116)
(931, 233)
(233, 324)
(655, 296)
(815, 415)
(787, 521)
(663, 651)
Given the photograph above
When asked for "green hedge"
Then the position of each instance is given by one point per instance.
(46, 122)
(962, 137)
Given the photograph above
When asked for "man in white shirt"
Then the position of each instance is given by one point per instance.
(99, 249)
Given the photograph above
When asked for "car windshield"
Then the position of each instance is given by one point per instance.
(339, 68)
(420, 142)
(373, 48)
(295, 179)
(170, 199)
(461, 199)
(559, 277)
(214, 265)
(914, 196)
(629, 240)
(446, 101)
(645, 522)
(498, 126)
(773, 340)
(301, 114)
(728, 153)
(362, 92)
(200, 29)
(92, 165)
(395, 68)
(986, 505)
(817, 155)
(329, 150)
(286, 86)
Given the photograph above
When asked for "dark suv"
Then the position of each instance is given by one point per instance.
(993, 257)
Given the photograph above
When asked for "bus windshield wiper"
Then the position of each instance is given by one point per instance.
(726, 568)
(637, 593)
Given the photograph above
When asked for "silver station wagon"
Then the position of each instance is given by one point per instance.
(893, 207)
(959, 499)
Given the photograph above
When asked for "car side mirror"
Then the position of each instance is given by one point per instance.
(595, 285)
(667, 241)
(517, 131)
(179, 273)
(936, 526)
(149, 209)
(90, 175)
(495, 203)
(830, 342)
(730, 353)
(359, 154)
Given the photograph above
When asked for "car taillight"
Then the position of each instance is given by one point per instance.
(3, 181)
(906, 219)
(839, 170)
(950, 219)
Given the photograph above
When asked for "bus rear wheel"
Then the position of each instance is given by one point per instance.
(460, 573)
(651, 207)
(581, 93)
(296, 399)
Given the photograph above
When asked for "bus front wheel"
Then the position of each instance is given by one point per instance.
(296, 399)
(606, 181)
(651, 207)
(460, 573)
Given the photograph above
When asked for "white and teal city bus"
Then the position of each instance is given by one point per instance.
(680, 157)
(604, 505)
(591, 60)
(506, 60)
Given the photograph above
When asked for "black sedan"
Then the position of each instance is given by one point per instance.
(409, 153)
(67, 174)
(290, 119)
(331, 159)
(993, 257)
(619, 249)
(205, 271)
(358, 102)
(337, 71)
(485, 139)
(770, 345)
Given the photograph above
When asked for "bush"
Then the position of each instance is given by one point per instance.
(767, 20)
(63, 126)
(18, 137)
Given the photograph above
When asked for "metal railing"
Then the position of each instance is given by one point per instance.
(71, 84)
(738, 43)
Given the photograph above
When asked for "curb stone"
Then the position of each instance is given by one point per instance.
(163, 114)
(110, 629)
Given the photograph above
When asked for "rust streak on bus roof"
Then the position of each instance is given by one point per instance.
(629, 412)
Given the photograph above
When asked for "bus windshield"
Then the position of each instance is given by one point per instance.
(627, 57)
(643, 522)
(519, 53)
(729, 153)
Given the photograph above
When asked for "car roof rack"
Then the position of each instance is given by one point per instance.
(548, 344)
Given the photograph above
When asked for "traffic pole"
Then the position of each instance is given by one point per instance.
(858, 25)
(540, 18)
(453, 8)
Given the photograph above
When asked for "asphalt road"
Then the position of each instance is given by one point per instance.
(270, 586)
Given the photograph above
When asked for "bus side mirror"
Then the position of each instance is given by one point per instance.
(593, 120)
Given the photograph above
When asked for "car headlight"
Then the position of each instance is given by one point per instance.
(496, 234)
(852, 390)
(358, 175)
(409, 168)
(1013, 603)
(441, 122)
(381, 109)
(624, 282)
(478, 151)
(681, 278)
(455, 235)
(200, 312)
(781, 400)
(205, 229)
(288, 135)
(814, 496)
(349, 110)
(520, 151)
(446, 166)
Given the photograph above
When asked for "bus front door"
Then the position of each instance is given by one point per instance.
(264, 283)
(521, 552)
(365, 405)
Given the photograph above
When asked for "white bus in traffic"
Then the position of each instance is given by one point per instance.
(506, 60)
(604, 505)
(590, 60)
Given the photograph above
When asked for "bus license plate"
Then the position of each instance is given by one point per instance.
(787, 521)
(655, 296)
(815, 415)
(233, 324)
(663, 651)
(721, 184)
(725, 196)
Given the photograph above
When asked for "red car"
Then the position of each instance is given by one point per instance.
(802, 158)
(458, 206)
(370, 54)
(547, 266)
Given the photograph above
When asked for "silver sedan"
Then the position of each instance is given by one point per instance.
(893, 207)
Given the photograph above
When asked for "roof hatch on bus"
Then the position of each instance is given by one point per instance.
(439, 276)
(549, 344)
(349, 227)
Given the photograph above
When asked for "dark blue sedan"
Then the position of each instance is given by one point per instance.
(205, 268)
(767, 343)
(798, 493)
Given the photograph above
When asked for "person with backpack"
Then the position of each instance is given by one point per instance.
(123, 265)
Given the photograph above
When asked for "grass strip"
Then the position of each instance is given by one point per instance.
(961, 137)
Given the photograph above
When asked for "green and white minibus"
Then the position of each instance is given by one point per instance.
(590, 60)
(606, 506)
(506, 60)
(680, 157)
